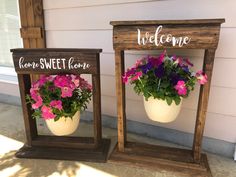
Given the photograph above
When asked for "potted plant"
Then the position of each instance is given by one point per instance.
(58, 99)
(163, 81)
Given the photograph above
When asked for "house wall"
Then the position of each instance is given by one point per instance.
(85, 24)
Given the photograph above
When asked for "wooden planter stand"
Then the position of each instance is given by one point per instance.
(85, 61)
(196, 34)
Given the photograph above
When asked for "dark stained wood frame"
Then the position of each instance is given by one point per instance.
(204, 34)
(95, 148)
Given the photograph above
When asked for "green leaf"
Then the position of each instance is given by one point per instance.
(177, 100)
(169, 100)
(56, 118)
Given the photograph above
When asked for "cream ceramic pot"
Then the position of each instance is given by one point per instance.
(65, 125)
(158, 110)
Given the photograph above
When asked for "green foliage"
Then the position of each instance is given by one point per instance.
(150, 85)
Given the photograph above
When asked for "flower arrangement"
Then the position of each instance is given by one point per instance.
(164, 77)
(54, 96)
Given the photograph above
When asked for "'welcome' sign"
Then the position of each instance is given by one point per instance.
(152, 35)
(56, 60)
(161, 39)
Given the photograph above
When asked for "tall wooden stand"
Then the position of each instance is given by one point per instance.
(27, 62)
(203, 34)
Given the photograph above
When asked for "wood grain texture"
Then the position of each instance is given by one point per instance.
(33, 32)
(80, 57)
(32, 17)
(99, 154)
(97, 104)
(65, 142)
(120, 93)
(30, 124)
(203, 104)
(202, 36)
(161, 158)
(169, 22)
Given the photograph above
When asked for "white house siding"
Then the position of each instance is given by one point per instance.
(85, 24)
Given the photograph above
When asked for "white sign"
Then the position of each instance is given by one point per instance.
(160, 40)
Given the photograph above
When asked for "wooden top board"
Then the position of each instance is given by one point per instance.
(56, 61)
(151, 22)
(162, 34)
(81, 50)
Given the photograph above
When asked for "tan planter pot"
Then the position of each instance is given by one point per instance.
(65, 125)
(158, 110)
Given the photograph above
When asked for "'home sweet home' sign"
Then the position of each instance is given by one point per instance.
(56, 60)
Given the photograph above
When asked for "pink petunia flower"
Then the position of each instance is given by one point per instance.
(66, 92)
(38, 101)
(47, 113)
(201, 77)
(42, 80)
(137, 76)
(61, 81)
(34, 93)
(130, 72)
(181, 88)
(56, 104)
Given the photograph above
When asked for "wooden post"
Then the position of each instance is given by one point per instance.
(120, 93)
(30, 124)
(202, 104)
(32, 25)
(97, 105)
(32, 16)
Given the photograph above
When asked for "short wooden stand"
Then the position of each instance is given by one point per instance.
(204, 34)
(54, 147)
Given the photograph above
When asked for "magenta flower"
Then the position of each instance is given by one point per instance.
(56, 104)
(125, 79)
(61, 81)
(34, 93)
(42, 80)
(38, 103)
(201, 77)
(66, 92)
(181, 88)
(137, 76)
(130, 72)
(47, 112)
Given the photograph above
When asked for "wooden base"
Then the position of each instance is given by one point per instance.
(162, 158)
(99, 154)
